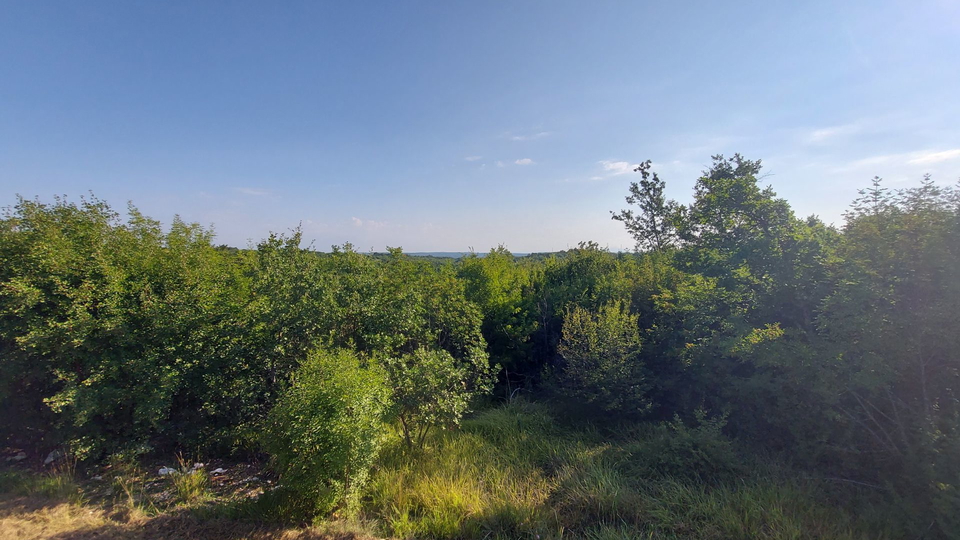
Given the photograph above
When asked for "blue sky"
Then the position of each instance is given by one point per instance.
(450, 125)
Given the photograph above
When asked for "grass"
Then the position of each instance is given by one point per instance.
(191, 484)
(59, 483)
(511, 472)
(476, 483)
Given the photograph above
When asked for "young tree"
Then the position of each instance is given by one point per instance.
(499, 286)
(430, 390)
(654, 226)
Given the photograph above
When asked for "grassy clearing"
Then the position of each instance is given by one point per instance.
(37, 519)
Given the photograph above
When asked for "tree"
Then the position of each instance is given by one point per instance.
(654, 227)
(430, 390)
(105, 323)
(499, 286)
(735, 229)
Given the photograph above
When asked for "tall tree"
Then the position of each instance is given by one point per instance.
(654, 225)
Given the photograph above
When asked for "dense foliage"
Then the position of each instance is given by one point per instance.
(326, 431)
(836, 350)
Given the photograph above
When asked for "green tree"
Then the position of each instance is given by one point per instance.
(430, 391)
(500, 288)
(654, 226)
(891, 324)
(103, 320)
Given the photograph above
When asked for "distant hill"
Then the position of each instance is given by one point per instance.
(452, 254)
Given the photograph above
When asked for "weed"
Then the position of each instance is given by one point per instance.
(127, 486)
(191, 484)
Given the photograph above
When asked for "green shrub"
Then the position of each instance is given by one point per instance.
(676, 450)
(430, 389)
(326, 431)
(602, 358)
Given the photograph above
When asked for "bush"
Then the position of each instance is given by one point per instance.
(191, 484)
(326, 431)
(701, 452)
(602, 355)
(430, 389)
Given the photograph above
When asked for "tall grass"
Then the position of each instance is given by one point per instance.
(191, 485)
(512, 473)
(59, 482)
(472, 484)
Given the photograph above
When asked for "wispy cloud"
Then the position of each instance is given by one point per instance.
(928, 156)
(917, 159)
(824, 135)
(610, 168)
(524, 161)
(500, 164)
(615, 168)
(531, 136)
(871, 161)
(367, 223)
(255, 192)
(473, 158)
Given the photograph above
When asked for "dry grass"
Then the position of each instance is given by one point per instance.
(36, 518)
(29, 518)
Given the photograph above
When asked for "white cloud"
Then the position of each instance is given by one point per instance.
(614, 168)
(531, 136)
(368, 223)
(823, 135)
(920, 157)
(871, 161)
(500, 164)
(929, 156)
(254, 191)
(473, 158)
(524, 161)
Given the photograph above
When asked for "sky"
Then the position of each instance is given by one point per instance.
(449, 126)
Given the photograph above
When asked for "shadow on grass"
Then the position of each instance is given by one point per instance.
(56, 518)
(12, 505)
(184, 524)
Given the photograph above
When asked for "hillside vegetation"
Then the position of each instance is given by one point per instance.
(744, 374)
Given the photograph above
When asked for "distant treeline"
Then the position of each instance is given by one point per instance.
(836, 348)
